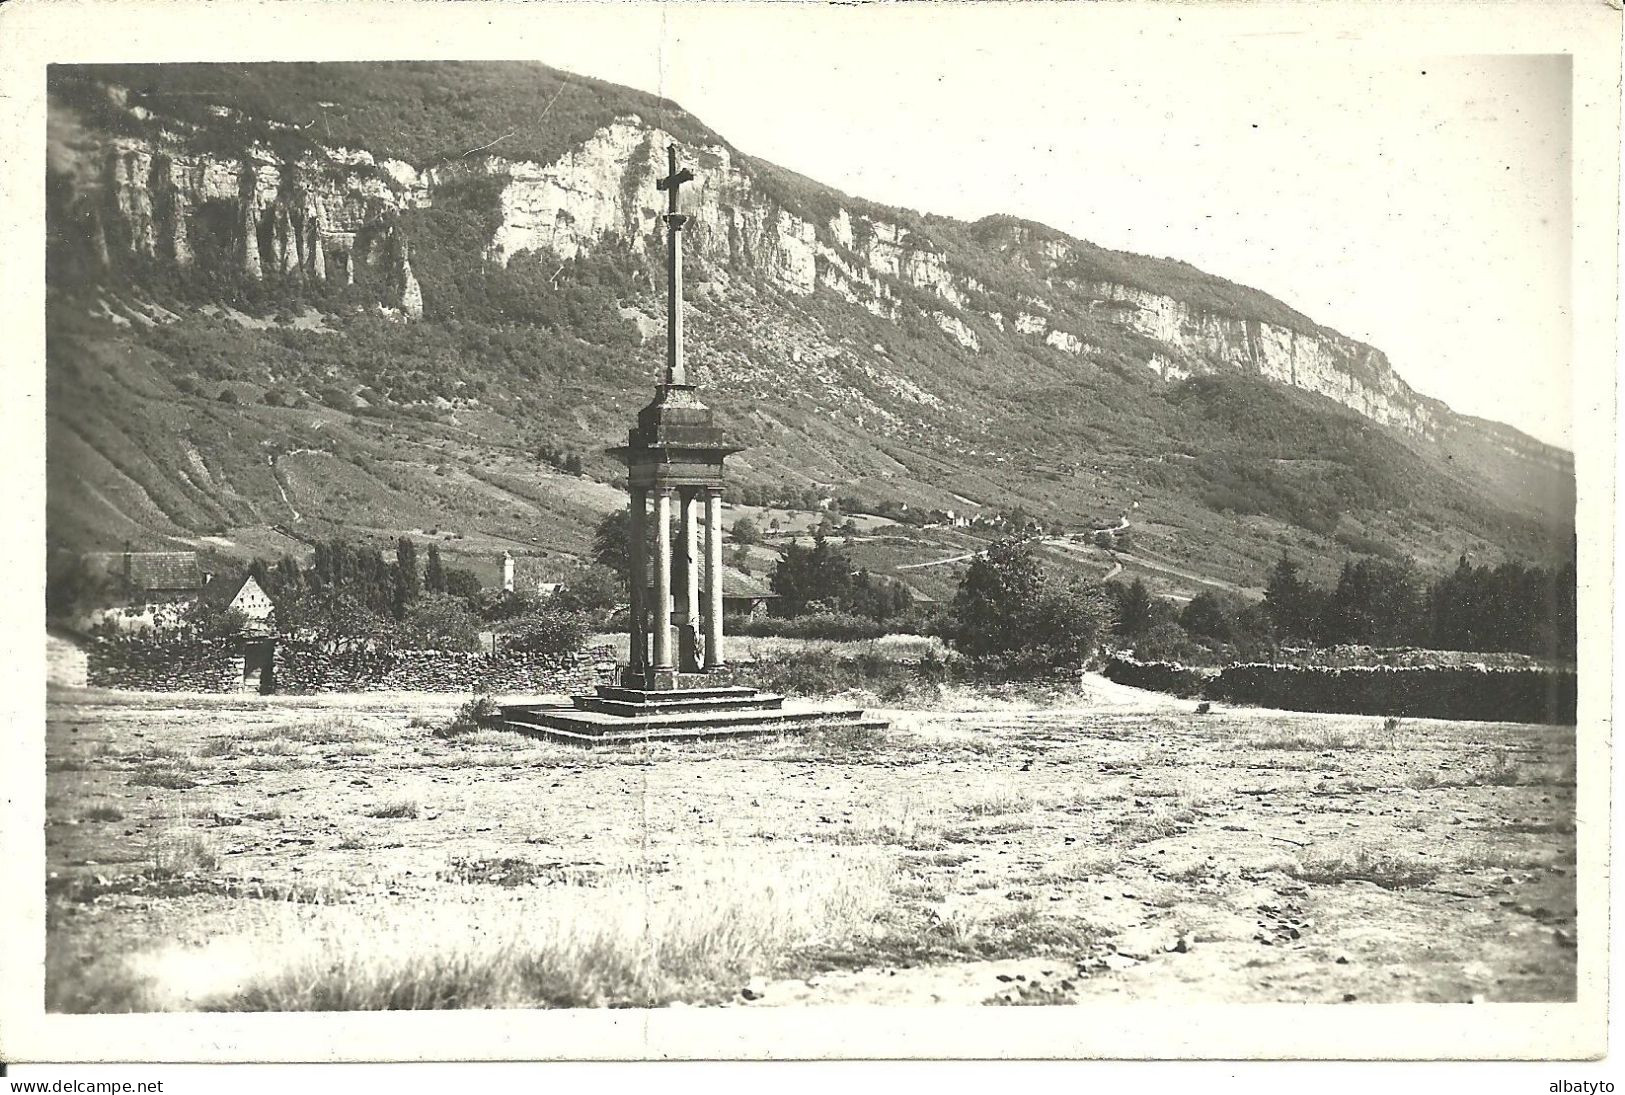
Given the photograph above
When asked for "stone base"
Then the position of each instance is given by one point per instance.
(650, 678)
(631, 714)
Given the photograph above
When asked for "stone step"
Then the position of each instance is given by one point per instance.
(589, 727)
(673, 695)
(634, 708)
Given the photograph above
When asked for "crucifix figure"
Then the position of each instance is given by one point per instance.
(675, 372)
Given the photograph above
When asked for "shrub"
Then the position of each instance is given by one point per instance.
(479, 713)
(822, 673)
(546, 633)
(838, 626)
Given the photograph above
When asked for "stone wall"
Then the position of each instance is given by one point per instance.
(1436, 692)
(187, 665)
(1483, 692)
(1180, 680)
(303, 669)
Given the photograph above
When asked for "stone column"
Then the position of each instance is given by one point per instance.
(638, 579)
(690, 613)
(662, 605)
(713, 578)
(676, 373)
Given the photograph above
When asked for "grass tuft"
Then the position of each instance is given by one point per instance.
(398, 808)
(165, 776)
(1391, 871)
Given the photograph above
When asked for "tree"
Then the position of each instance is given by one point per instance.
(590, 588)
(1068, 622)
(994, 598)
(1007, 607)
(1133, 610)
(611, 536)
(1205, 617)
(287, 577)
(207, 619)
(804, 576)
(1376, 601)
(335, 620)
(1291, 602)
(503, 604)
(464, 583)
(434, 574)
(546, 632)
(406, 559)
(73, 586)
(440, 621)
(745, 531)
(1252, 631)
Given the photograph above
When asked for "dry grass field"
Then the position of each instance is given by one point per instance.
(334, 853)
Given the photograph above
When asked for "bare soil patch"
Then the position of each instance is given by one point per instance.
(284, 853)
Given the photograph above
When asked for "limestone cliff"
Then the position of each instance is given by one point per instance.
(172, 195)
(170, 200)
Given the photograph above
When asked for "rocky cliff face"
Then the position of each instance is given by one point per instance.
(330, 214)
(166, 201)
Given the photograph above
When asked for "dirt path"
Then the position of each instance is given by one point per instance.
(939, 562)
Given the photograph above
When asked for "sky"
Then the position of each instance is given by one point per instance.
(1420, 203)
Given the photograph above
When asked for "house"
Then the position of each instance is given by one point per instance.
(743, 595)
(153, 589)
(242, 595)
(152, 576)
(256, 642)
(531, 575)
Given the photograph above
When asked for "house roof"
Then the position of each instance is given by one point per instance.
(736, 583)
(156, 570)
(222, 589)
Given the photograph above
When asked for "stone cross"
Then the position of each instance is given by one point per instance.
(676, 374)
(674, 180)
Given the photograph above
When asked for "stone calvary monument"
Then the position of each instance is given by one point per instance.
(676, 683)
(674, 453)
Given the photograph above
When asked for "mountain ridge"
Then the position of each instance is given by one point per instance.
(888, 318)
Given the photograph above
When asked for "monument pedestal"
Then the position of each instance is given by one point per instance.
(621, 714)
